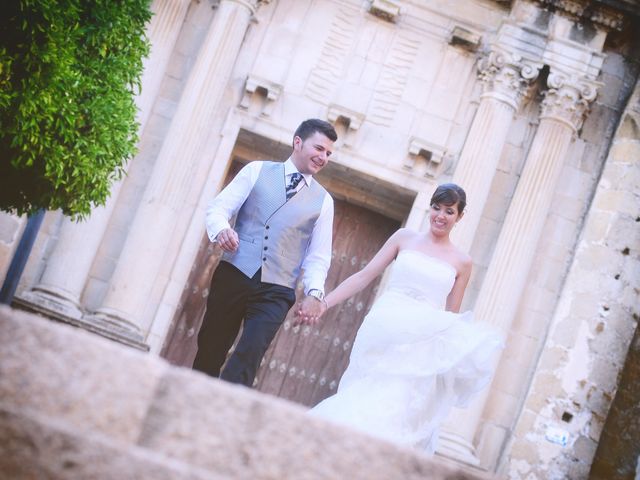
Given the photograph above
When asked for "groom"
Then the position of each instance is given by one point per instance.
(284, 225)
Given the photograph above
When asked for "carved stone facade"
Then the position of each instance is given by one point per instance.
(519, 102)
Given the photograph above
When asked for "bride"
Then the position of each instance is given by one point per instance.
(414, 356)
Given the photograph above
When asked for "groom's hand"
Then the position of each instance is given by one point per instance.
(228, 240)
(308, 311)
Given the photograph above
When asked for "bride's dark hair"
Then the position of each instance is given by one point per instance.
(449, 194)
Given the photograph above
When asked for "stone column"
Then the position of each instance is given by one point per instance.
(166, 23)
(505, 77)
(65, 275)
(563, 109)
(172, 179)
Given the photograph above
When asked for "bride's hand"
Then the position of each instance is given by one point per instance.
(315, 319)
(308, 311)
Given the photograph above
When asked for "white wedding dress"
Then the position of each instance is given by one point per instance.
(412, 360)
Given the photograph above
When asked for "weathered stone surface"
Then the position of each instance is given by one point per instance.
(617, 454)
(37, 447)
(9, 226)
(200, 421)
(66, 372)
(74, 403)
(572, 394)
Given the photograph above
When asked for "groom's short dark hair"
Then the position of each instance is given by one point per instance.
(313, 125)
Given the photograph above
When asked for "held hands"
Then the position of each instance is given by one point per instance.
(309, 311)
(228, 240)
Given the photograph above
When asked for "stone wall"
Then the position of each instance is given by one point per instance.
(577, 375)
(582, 170)
(618, 453)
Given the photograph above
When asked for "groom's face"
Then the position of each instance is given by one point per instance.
(312, 154)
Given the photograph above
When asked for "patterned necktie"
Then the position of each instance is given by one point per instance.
(293, 183)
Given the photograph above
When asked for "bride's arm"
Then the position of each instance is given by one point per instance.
(454, 299)
(375, 267)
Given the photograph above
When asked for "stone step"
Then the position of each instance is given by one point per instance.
(34, 446)
(93, 386)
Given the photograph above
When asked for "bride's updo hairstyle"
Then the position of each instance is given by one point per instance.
(449, 194)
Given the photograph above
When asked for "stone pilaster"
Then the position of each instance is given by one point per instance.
(63, 280)
(505, 77)
(563, 109)
(172, 180)
(168, 18)
(562, 112)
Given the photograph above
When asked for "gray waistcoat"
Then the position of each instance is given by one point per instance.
(274, 234)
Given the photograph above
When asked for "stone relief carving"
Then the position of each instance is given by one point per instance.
(570, 7)
(433, 155)
(336, 50)
(465, 38)
(255, 85)
(393, 80)
(385, 9)
(607, 18)
(351, 119)
(582, 10)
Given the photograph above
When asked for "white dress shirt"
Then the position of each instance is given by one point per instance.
(227, 203)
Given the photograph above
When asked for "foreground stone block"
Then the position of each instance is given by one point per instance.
(34, 447)
(75, 405)
(65, 372)
(241, 434)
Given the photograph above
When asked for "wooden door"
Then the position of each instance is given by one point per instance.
(304, 364)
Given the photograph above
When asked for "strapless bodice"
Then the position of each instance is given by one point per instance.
(421, 277)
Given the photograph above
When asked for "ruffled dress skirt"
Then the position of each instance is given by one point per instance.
(410, 364)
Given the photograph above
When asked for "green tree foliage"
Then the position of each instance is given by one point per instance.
(69, 70)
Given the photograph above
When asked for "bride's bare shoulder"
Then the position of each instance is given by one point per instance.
(404, 235)
(405, 232)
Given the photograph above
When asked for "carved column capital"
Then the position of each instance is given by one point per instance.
(506, 76)
(568, 98)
